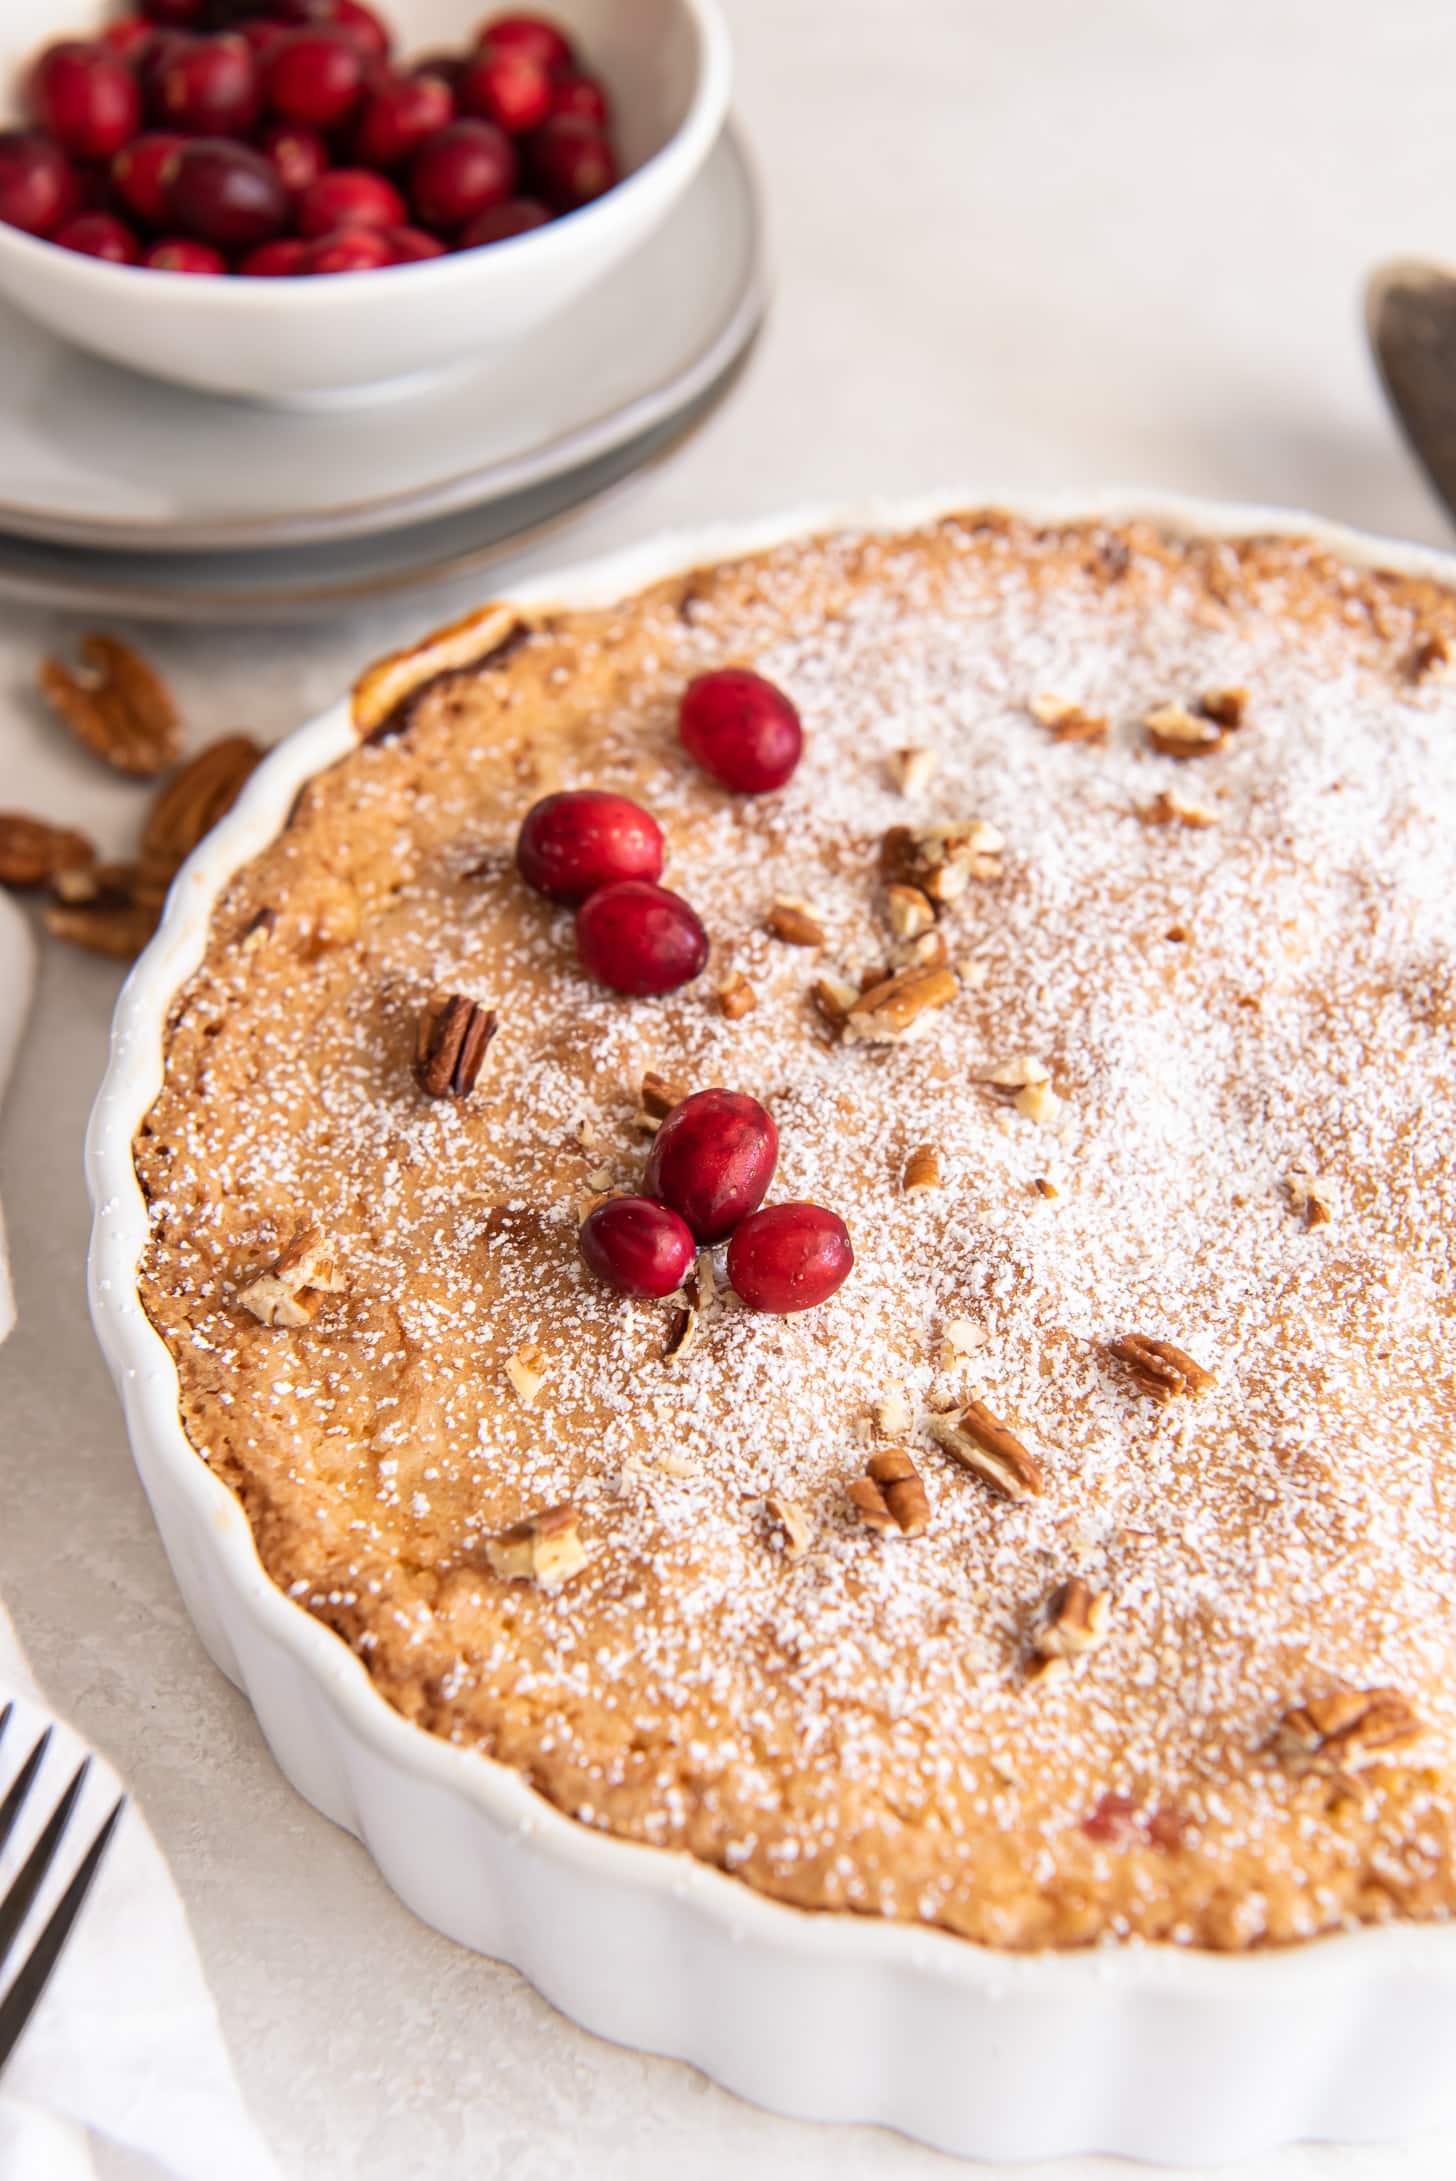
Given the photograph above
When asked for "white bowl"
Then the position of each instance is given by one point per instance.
(667, 67)
(1150, 2051)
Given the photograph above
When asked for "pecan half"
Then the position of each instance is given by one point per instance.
(922, 1169)
(1346, 1731)
(833, 999)
(787, 1515)
(891, 1009)
(112, 923)
(941, 859)
(1159, 1369)
(1067, 722)
(118, 706)
(890, 1497)
(450, 1045)
(543, 1548)
(795, 923)
(34, 853)
(293, 1292)
(188, 808)
(1174, 731)
(1076, 1623)
(981, 1443)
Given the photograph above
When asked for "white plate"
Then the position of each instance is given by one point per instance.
(96, 457)
(1149, 2051)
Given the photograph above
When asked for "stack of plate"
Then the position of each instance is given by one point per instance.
(124, 495)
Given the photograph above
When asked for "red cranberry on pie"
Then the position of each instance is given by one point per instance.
(572, 843)
(713, 1159)
(637, 1246)
(640, 938)
(87, 97)
(789, 1257)
(741, 729)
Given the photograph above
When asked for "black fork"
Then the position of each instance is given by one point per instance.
(31, 1978)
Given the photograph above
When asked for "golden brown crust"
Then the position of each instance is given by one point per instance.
(1141, 1033)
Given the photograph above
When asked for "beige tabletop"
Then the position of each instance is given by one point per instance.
(1050, 245)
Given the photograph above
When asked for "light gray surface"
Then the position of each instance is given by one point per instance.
(1041, 247)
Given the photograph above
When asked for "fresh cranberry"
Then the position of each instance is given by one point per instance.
(315, 76)
(87, 97)
(94, 191)
(507, 88)
(265, 39)
(98, 234)
(740, 729)
(349, 197)
(636, 1246)
(572, 843)
(129, 36)
(298, 152)
(410, 245)
(180, 254)
(38, 188)
(139, 174)
(791, 1257)
(275, 260)
(517, 216)
(712, 1160)
(151, 63)
(175, 14)
(530, 35)
(581, 96)
(225, 193)
(209, 87)
(460, 171)
(639, 938)
(290, 14)
(350, 250)
(571, 162)
(447, 67)
(398, 113)
(364, 27)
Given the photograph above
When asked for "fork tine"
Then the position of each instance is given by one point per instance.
(23, 1996)
(28, 1880)
(20, 1787)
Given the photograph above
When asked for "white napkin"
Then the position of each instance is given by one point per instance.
(122, 2069)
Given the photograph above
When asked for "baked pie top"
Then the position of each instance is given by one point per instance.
(1083, 1568)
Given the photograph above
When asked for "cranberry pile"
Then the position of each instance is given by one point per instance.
(715, 1153)
(283, 137)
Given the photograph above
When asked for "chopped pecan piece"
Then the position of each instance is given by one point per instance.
(1076, 1623)
(1160, 1370)
(1428, 655)
(293, 1292)
(188, 808)
(833, 999)
(911, 913)
(1066, 721)
(1026, 1084)
(788, 1516)
(980, 1442)
(1346, 1731)
(527, 1371)
(33, 853)
(450, 1045)
(1225, 707)
(911, 770)
(941, 859)
(1313, 1195)
(736, 997)
(961, 1337)
(796, 924)
(658, 1096)
(892, 1413)
(543, 1548)
(119, 707)
(1170, 808)
(922, 1169)
(890, 1496)
(682, 1330)
(1174, 731)
(891, 1010)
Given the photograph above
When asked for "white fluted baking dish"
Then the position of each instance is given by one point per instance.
(1149, 2051)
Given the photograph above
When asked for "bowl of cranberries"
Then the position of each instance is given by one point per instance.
(183, 183)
